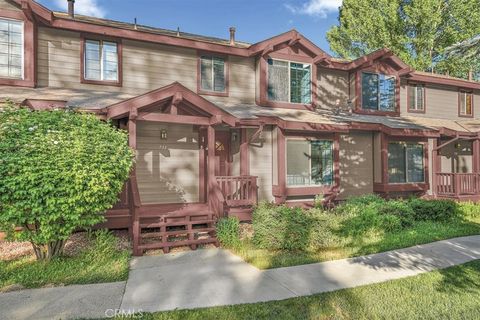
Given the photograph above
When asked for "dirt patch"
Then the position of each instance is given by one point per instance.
(246, 231)
(11, 250)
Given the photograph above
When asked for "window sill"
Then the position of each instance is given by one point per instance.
(377, 113)
(101, 82)
(415, 111)
(213, 93)
(17, 82)
(303, 190)
(400, 187)
(286, 105)
(465, 116)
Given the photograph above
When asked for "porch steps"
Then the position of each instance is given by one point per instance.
(174, 229)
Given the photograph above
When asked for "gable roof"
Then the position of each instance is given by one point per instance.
(174, 91)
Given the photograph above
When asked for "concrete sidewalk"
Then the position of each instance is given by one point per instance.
(215, 277)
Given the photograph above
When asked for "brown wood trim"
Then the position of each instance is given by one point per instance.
(29, 48)
(90, 36)
(244, 154)
(202, 136)
(226, 74)
(279, 191)
(460, 83)
(336, 162)
(409, 92)
(463, 91)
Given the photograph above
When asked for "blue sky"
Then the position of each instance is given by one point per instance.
(255, 20)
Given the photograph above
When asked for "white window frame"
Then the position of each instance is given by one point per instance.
(415, 87)
(211, 57)
(22, 70)
(309, 163)
(289, 81)
(463, 95)
(101, 60)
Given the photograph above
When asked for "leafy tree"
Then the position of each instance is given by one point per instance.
(418, 31)
(60, 170)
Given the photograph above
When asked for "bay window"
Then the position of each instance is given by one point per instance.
(465, 101)
(309, 163)
(11, 49)
(101, 61)
(405, 162)
(378, 92)
(416, 97)
(289, 81)
(212, 74)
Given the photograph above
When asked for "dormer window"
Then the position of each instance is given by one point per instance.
(11, 49)
(289, 82)
(101, 61)
(378, 92)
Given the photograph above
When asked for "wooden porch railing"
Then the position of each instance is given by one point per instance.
(457, 184)
(238, 190)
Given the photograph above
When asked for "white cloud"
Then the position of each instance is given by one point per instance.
(316, 7)
(84, 7)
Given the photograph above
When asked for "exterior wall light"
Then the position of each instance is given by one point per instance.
(163, 134)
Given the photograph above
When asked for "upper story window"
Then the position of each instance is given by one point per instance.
(289, 81)
(11, 49)
(405, 162)
(465, 101)
(101, 61)
(378, 92)
(309, 163)
(416, 98)
(213, 77)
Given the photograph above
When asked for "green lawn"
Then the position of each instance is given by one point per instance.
(101, 261)
(453, 293)
(419, 233)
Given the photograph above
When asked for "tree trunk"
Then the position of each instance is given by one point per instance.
(45, 252)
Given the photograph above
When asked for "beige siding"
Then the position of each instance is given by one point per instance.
(441, 102)
(260, 152)
(167, 170)
(8, 6)
(241, 81)
(457, 157)
(377, 158)
(146, 66)
(356, 164)
(235, 152)
(332, 88)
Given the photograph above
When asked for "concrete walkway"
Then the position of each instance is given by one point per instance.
(215, 277)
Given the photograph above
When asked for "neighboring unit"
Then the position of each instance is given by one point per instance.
(219, 125)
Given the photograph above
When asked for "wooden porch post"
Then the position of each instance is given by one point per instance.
(336, 163)
(476, 163)
(384, 155)
(135, 221)
(211, 157)
(201, 164)
(244, 154)
(282, 168)
(434, 167)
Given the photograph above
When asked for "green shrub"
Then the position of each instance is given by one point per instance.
(281, 227)
(469, 209)
(324, 230)
(397, 208)
(60, 170)
(434, 210)
(228, 232)
(354, 205)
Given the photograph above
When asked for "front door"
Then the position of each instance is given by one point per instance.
(222, 153)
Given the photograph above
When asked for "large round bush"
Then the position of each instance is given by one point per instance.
(59, 171)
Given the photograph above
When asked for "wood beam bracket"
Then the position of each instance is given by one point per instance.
(133, 114)
(215, 119)
(257, 133)
(267, 50)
